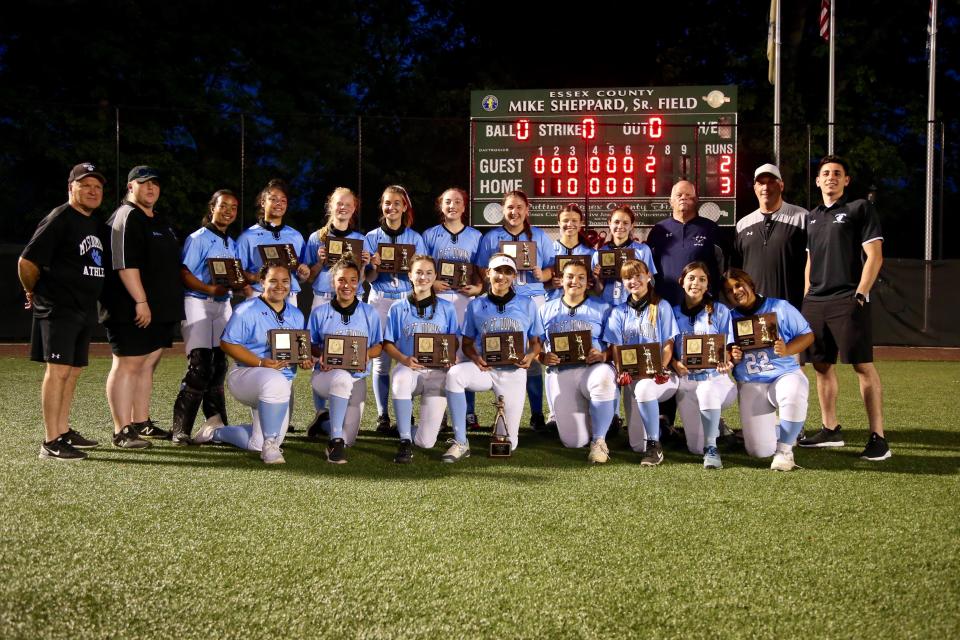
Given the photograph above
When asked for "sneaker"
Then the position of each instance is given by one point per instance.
(180, 438)
(129, 438)
(404, 453)
(207, 429)
(711, 458)
(270, 452)
(60, 449)
(77, 441)
(384, 426)
(149, 430)
(551, 427)
(456, 452)
(783, 461)
(824, 438)
(599, 453)
(315, 430)
(473, 422)
(335, 451)
(653, 455)
(876, 449)
(615, 426)
(538, 424)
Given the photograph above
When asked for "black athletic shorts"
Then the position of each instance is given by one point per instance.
(841, 327)
(127, 339)
(64, 340)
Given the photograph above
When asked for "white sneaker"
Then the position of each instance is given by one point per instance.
(599, 453)
(456, 452)
(783, 461)
(270, 452)
(205, 434)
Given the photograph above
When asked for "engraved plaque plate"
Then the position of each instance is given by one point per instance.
(611, 260)
(639, 360)
(336, 247)
(226, 272)
(345, 352)
(572, 347)
(755, 332)
(289, 345)
(396, 258)
(435, 350)
(503, 348)
(282, 254)
(704, 351)
(523, 253)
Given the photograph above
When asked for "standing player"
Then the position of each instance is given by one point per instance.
(345, 315)
(529, 284)
(770, 379)
(396, 218)
(501, 310)
(621, 223)
(571, 221)
(844, 255)
(702, 394)
(207, 310)
(258, 381)
(582, 393)
(61, 270)
(644, 317)
(420, 312)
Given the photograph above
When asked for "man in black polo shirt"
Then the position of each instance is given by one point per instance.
(62, 272)
(772, 241)
(844, 254)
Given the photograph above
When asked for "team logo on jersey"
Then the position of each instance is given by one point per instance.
(96, 257)
(91, 244)
(490, 103)
(699, 240)
(839, 218)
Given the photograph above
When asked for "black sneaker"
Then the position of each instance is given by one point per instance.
(537, 423)
(383, 425)
(404, 453)
(473, 422)
(77, 441)
(180, 438)
(149, 430)
(824, 438)
(876, 449)
(335, 451)
(551, 428)
(615, 426)
(653, 455)
(60, 449)
(315, 430)
(129, 438)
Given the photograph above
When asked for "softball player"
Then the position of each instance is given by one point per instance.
(702, 393)
(420, 312)
(342, 207)
(529, 284)
(396, 217)
(256, 380)
(501, 310)
(570, 220)
(621, 223)
(769, 379)
(207, 310)
(345, 315)
(644, 317)
(578, 391)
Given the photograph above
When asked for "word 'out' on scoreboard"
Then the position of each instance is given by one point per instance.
(603, 148)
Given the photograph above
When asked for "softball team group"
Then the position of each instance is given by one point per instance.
(536, 301)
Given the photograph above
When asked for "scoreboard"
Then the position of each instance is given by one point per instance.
(603, 148)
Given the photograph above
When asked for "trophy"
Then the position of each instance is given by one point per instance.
(404, 266)
(611, 260)
(571, 346)
(755, 332)
(432, 350)
(336, 247)
(639, 360)
(455, 274)
(278, 254)
(500, 437)
(500, 349)
(703, 351)
(463, 275)
(523, 253)
(562, 261)
(289, 345)
(345, 352)
(395, 258)
(226, 272)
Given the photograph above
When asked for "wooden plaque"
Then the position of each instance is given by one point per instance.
(345, 352)
(435, 350)
(523, 253)
(455, 274)
(396, 258)
(282, 254)
(612, 259)
(563, 261)
(503, 348)
(289, 345)
(226, 272)
(755, 332)
(572, 347)
(704, 351)
(639, 360)
(336, 247)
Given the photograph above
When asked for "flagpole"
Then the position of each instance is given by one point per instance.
(776, 86)
(931, 116)
(833, 38)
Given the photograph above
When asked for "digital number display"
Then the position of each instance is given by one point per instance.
(602, 148)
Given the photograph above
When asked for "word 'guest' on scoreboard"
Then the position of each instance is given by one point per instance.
(603, 148)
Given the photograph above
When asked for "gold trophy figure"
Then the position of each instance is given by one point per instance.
(764, 335)
(512, 353)
(712, 353)
(581, 356)
(303, 347)
(444, 353)
(403, 260)
(354, 347)
(648, 360)
(238, 273)
(291, 259)
(463, 275)
(526, 255)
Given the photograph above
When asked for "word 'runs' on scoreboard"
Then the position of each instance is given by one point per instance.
(601, 149)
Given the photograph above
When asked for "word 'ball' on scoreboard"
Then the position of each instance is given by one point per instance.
(603, 148)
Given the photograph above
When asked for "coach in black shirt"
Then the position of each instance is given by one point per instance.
(61, 270)
(844, 254)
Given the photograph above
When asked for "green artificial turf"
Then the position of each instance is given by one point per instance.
(210, 543)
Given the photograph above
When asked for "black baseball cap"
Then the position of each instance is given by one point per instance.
(83, 170)
(142, 173)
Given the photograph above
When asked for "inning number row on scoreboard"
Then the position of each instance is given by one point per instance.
(602, 148)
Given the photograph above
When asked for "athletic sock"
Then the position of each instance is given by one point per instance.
(381, 392)
(457, 402)
(601, 414)
(710, 421)
(271, 418)
(788, 431)
(238, 436)
(338, 413)
(404, 411)
(650, 414)
(535, 394)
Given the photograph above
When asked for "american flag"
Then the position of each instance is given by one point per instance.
(825, 20)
